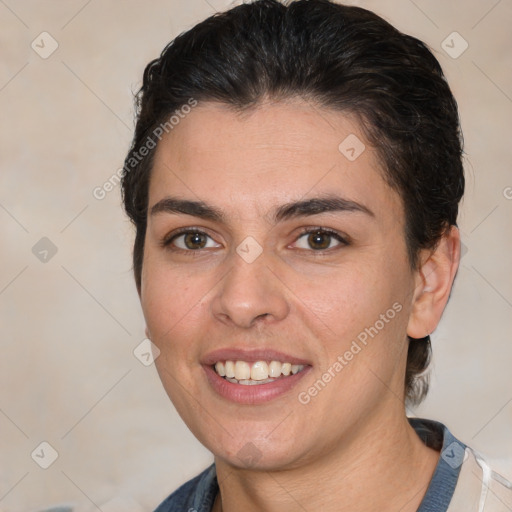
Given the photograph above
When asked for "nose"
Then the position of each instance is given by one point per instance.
(250, 293)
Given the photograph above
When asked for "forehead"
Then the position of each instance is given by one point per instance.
(266, 156)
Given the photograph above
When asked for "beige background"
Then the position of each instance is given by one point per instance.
(68, 375)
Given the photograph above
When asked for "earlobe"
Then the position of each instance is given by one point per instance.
(434, 280)
(146, 330)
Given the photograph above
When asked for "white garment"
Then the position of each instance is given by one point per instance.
(479, 488)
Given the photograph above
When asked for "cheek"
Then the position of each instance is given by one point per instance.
(173, 303)
(173, 306)
(365, 300)
(359, 321)
(342, 300)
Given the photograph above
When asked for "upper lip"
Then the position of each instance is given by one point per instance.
(251, 356)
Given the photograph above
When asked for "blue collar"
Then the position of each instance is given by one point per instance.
(443, 482)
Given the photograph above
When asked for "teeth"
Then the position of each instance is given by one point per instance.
(260, 372)
(230, 369)
(242, 370)
(220, 369)
(250, 382)
(274, 369)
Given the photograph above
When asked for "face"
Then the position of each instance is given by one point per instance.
(272, 256)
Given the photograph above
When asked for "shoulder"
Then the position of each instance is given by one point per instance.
(480, 488)
(198, 494)
(463, 480)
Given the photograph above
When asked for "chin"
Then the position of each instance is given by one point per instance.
(255, 451)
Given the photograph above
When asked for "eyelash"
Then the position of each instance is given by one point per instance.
(344, 241)
(167, 241)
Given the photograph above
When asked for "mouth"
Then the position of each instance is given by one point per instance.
(253, 377)
(256, 373)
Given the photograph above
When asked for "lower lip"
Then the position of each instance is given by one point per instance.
(256, 394)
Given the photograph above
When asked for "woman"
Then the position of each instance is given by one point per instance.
(294, 182)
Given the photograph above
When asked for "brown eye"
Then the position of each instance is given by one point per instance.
(194, 240)
(319, 240)
(191, 241)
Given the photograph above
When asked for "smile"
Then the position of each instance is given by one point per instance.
(252, 377)
(259, 372)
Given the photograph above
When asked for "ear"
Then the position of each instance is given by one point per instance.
(434, 280)
(146, 330)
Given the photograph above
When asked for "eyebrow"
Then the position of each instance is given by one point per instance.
(313, 206)
(318, 205)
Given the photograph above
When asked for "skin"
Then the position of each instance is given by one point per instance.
(350, 448)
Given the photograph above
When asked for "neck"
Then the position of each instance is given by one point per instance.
(384, 467)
